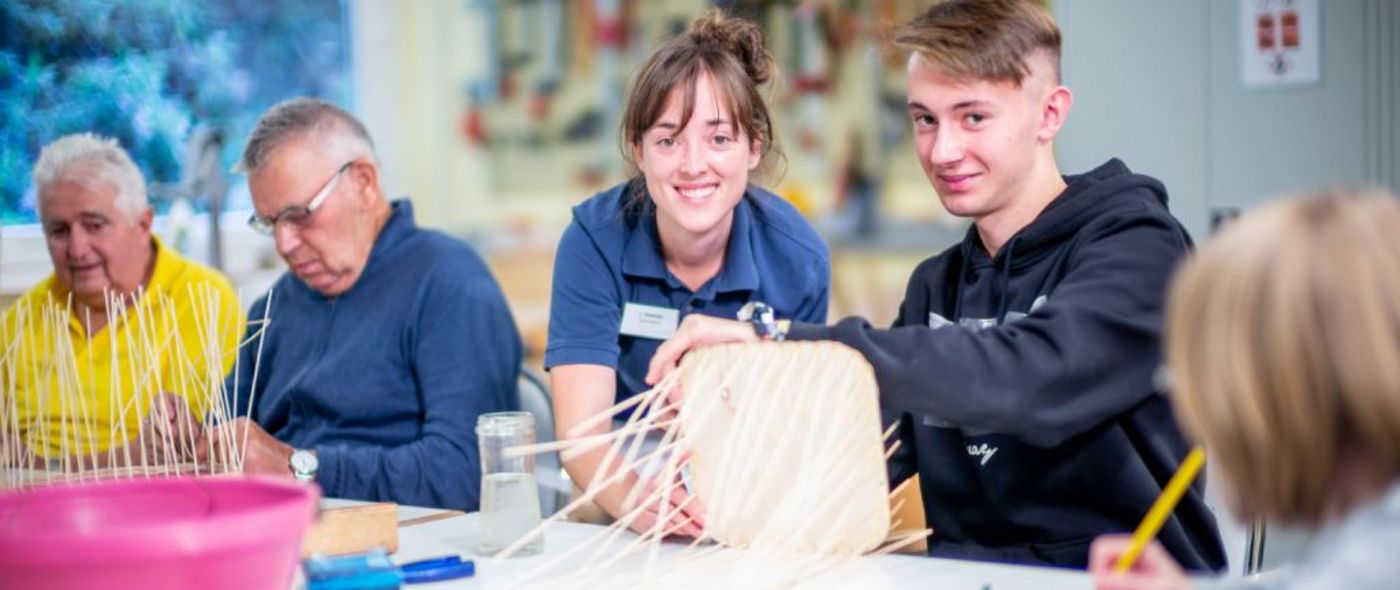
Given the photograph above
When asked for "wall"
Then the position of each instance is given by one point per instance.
(1158, 84)
(402, 54)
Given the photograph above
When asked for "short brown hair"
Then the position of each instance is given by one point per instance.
(983, 39)
(731, 51)
(1282, 340)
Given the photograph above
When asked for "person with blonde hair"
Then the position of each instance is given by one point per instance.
(1282, 340)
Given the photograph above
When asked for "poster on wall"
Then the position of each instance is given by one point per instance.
(1279, 43)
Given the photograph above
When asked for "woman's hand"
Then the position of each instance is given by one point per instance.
(685, 515)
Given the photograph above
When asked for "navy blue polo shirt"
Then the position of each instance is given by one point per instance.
(610, 257)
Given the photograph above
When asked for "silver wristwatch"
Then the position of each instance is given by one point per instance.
(304, 464)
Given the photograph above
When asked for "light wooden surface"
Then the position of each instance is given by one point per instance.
(352, 529)
(405, 515)
(907, 516)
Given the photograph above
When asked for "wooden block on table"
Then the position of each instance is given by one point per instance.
(353, 529)
(910, 516)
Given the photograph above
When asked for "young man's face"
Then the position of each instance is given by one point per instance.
(979, 142)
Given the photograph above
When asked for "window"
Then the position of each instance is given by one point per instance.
(162, 77)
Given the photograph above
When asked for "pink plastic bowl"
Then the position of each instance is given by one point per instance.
(205, 533)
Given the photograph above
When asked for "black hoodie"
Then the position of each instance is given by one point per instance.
(1024, 382)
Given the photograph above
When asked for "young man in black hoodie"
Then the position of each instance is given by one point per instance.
(1021, 364)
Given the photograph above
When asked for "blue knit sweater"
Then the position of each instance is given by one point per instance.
(386, 380)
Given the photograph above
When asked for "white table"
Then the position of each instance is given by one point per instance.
(458, 535)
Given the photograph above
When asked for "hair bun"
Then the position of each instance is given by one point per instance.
(740, 38)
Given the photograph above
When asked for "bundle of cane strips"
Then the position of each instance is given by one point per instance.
(782, 444)
(151, 343)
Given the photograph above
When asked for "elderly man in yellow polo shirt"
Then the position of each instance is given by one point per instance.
(123, 322)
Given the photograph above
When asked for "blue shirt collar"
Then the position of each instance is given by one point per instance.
(642, 258)
(399, 226)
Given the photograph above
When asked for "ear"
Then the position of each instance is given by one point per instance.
(755, 154)
(365, 173)
(636, 154)
(143, 220)
(1054, 111)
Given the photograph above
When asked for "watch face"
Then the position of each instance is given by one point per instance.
(304, 462)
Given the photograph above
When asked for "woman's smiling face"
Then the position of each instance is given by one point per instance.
(697, 170)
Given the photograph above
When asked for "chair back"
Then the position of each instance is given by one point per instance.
(549, 474)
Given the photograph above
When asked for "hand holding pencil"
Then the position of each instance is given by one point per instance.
(1120, 562)
(1153, 570)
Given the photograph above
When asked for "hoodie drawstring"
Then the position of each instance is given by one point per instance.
(966, 264)
(1004, 281)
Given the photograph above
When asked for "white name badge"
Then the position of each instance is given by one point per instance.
(649, 321)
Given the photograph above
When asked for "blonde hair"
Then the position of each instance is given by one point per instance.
(984, 39)
(1282, 340)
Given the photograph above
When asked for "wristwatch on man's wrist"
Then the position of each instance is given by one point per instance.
(304, 465)
(764, 320)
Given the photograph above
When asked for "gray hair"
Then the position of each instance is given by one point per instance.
(96, 158)
(297, 117)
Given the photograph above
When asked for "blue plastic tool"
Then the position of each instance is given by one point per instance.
(373, 571)
(437, 569)
(363, 571)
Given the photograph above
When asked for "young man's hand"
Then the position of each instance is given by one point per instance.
(696, 331)
(1154, 569)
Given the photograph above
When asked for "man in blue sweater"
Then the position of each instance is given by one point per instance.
(383, 343)
(1021, 364)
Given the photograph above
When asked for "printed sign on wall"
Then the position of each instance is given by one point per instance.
(1279, 42)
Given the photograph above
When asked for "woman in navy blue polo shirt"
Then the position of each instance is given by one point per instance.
(688, 234)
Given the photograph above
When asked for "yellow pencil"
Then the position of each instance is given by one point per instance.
(1162, 508)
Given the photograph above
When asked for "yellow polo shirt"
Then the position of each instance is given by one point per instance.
(57, 383)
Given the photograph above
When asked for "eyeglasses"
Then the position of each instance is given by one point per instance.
(298, 215)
